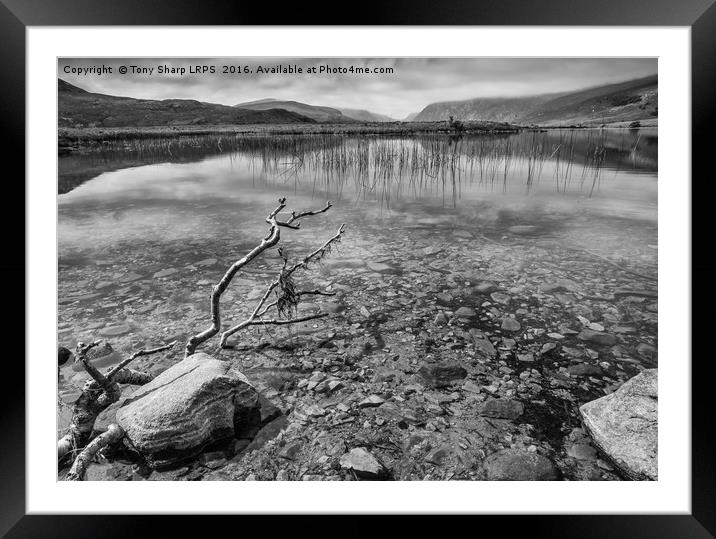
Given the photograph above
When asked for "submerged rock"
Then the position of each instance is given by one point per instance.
(442, 374)
(115, 331)
(597, 337)
(165, 273)
(363, 464)
(194, 403)
(484, 346)
(584, 369)
(502, 409)
(465, 312)
(381, 267)
(510, 324)
(518, 465)
(63, 355)
(624, 425)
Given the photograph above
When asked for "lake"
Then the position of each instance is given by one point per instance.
(551, 228)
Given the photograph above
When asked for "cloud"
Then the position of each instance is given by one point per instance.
(412, 84)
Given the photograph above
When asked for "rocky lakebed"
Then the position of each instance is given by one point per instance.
(453, 349)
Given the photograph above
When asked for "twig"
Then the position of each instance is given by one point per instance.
(122, 364)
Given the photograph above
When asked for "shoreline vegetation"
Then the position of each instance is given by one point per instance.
(87, 139)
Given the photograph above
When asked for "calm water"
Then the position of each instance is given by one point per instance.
(124, 216)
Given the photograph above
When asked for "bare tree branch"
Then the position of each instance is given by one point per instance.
(295, 216)
(122, 364)
(97, 395)
(255, 317)
(272, 238)
(113, 434)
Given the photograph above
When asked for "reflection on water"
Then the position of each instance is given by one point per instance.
(608, 171)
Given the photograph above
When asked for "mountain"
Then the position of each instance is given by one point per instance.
(410, 117)
(317, 113)
(80, 108)
(366, 116)
(622, 102)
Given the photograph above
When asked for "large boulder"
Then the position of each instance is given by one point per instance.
(194, 403)
(624, 425)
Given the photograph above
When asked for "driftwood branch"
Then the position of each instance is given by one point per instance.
(112, 435)
(271, 239)
(122, 364)
(97, 395)
(261, 308)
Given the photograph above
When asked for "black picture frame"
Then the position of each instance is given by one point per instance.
(700, 15)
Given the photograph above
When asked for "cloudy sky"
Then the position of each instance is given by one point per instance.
(413, 83)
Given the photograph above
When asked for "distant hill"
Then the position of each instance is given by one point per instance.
(410, 117)
(366, 116)
(317, 113)
(79, 108)
(622, 102)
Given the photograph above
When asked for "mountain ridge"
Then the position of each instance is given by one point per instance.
(79, 108)
(632, 100)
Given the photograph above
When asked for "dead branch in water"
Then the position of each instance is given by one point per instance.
(284, 281)
(98, 394)
(287, 297)
(112, 435)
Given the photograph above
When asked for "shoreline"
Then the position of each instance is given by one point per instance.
(73, 139)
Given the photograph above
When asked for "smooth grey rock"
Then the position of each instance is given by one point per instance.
(486, 287)
(194, 403)
(465, 312)
(380, 267)
(499, 297)
(363, 464)
(510, 324)
(484, 346)
(371, 402)
(624, 425)
(597, 337)
(518, 465)
(582, 452)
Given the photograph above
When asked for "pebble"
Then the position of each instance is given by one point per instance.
(510, 324)
(499, 297)
(371, 402)
(465, 312)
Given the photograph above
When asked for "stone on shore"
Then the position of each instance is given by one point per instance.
(363, 464)
(597, 337)
(519, 465)
(624, 425)
(194, 403)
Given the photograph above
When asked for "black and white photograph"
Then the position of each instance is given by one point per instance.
(355, 269)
